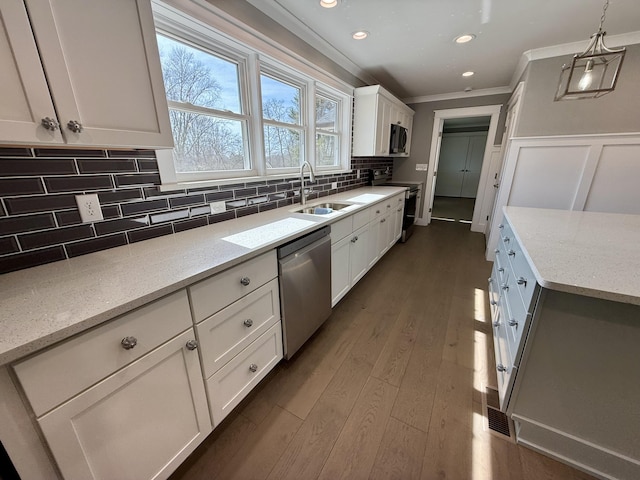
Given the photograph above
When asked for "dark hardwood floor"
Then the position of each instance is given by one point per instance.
(389, 388)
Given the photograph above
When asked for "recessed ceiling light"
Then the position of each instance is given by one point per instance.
(467, 37)
(468, 74)
(328, 3)
(360, 35)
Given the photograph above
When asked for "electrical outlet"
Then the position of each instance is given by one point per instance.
(334, 185)
(89, 207)
(422, 167)
(218, 207)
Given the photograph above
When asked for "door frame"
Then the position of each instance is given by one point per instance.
(440, 116)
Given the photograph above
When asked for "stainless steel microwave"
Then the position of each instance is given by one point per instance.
(398, 142)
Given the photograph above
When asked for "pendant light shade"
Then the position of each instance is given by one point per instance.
(592, 73)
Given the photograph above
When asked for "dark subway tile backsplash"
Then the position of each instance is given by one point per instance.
(40, 222)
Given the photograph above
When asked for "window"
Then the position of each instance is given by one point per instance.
(206, 111)
(327, 132)
(284, 145)
(243, 111)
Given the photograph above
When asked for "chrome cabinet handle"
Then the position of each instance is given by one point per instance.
(248, 323)
(245, 281)
(501, 368)
(507, 239)
(496, 251)
(129, 342)
(75, 126)
(501, 226)
(522, 281)
(493, 302)
(501, 269)
(377, 211)
(512, 253)
(513, 322)
(192, 344)
(50, 124)
(399, 210)
(354, 239)
(383, 220)
(496, 324)
(505, 286)
(253, 368)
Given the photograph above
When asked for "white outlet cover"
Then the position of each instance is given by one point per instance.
(218, 207)
(422, 167)
(334, 185)
(89, 207)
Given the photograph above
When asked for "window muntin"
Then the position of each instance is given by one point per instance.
(206, 111)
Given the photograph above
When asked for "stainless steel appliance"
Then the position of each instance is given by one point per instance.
(304, 266)
(382, 177)
(398, 139)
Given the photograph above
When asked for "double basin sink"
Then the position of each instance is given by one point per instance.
(322, 208)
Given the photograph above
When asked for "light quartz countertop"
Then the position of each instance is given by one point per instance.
(586, 253)
(45, 304)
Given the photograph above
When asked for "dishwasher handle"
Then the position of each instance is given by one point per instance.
(304, 250)
(299, 243)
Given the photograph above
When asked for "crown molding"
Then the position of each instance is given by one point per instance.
(278, 13)
(456, 95)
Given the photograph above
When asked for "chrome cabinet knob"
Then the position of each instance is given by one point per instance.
(496, 251)
(248, 323)
(493, 302)
(501, 368)
(511, 253)
(490, 279)
(377, 211)
(50, 124)
(513, 322)
(383, 220)
(245, 281)
(507, 239)
(75, 126)
(505, 286)
(253, 368)
(522, 281)
(496, 324)
(192, 344)
(501, 269)
(129, 342)
(501, 226)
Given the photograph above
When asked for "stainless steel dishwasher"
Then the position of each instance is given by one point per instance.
(304, 266)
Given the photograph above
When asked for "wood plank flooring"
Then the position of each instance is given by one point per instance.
(389, 388)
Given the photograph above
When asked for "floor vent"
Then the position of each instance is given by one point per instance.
(496, 422)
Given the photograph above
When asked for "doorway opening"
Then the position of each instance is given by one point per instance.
(462, 148)
(475, 160)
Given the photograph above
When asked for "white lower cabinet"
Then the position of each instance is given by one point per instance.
(139, 423)
(340, 269)
(229, 385)
(237, 320)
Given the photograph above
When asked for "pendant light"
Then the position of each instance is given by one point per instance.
(594, 72)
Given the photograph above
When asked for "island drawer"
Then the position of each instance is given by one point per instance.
(216, 292)
(46, 377)
(228, 332)
(522, 273)
(229, 385)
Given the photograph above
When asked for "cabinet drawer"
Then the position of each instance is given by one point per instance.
(226, 333)
(341, 229)
(360, 219)
(376, 210)
(229, 385)
(522, 273)
(213, 294)
(92, 356)
(505, 368)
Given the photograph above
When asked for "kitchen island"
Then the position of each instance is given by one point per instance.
(565, 295)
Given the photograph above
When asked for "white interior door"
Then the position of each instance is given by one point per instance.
(473, 166)
(452, 165)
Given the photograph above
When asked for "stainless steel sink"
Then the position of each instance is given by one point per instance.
(311, 209)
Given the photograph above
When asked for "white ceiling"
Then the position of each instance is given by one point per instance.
(410, 49)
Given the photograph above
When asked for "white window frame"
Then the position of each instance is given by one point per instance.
(254, 55)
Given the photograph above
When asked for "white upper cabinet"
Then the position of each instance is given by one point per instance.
(89, 69)
(375, 110)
